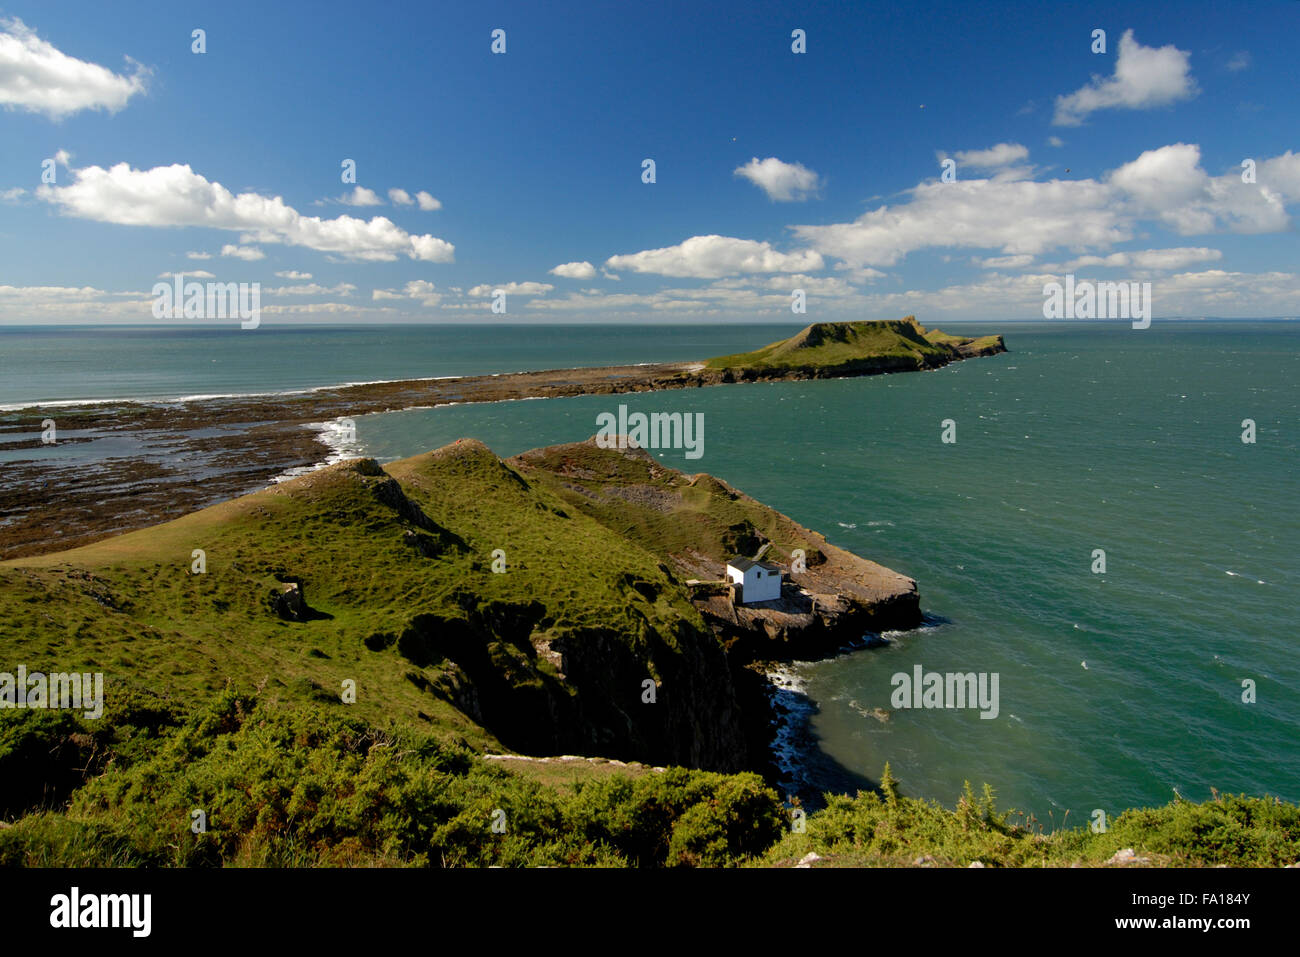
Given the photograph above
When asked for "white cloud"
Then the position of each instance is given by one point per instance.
(420, 290)
(177, 196)
(1169, 184)
(1027, 217)
(1004, 262)
(246, 253)
(578, 270)
(783, 182)
(425, 200)
(360, 196)
(1144, 77)
(313, 289)
(33, 293)
(294, 275)
(1240, 61)
(60, 304)
(1281, 174)
(1208, 293)
(712, 257)
(1004, 154)
(734, 296)
(1055, 141)
(1014, 216)
(1145, 259)
(189, 273)
(828, 286)
(709, 300)
(423, 290)
(198, 255)
(12, 195)
(72, 304)
(513, 289)
(38, 78)
(992, 296)
(327, 308)
(609, 275)
(860, 274)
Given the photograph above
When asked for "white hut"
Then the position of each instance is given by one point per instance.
(755, 581)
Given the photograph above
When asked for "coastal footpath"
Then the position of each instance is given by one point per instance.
(184, 456)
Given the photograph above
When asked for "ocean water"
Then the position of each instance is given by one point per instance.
(96, 363)
(1116, 689)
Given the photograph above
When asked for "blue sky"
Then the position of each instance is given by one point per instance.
(775, 170)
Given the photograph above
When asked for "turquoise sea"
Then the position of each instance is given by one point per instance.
(1116, 688)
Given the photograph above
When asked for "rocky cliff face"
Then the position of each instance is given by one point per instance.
(693, 524)
(586, 645)
(660, 699)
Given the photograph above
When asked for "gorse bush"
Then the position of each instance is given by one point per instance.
(681, 817)
(1231, 829)
(281, 786)
(886, 829)
(305, 786)
(46, 754)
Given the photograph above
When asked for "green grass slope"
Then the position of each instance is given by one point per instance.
(451, 593)
(132, 608)
(845, 347)
(681, 518)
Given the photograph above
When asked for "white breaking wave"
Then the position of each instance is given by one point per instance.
(336, 436)
(207, 396)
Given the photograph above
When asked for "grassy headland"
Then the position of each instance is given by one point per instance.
(223, 697)
(827, 349)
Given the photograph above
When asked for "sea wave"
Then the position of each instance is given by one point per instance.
(792, 741)
(337, 435)
(207, 396)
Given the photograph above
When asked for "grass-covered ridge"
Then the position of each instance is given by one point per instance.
(457, 596)
(847, 347)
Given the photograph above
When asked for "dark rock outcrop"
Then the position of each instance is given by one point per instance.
(289, 603)
(662, 699)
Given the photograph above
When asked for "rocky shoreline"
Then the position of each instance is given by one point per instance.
(183, 456)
